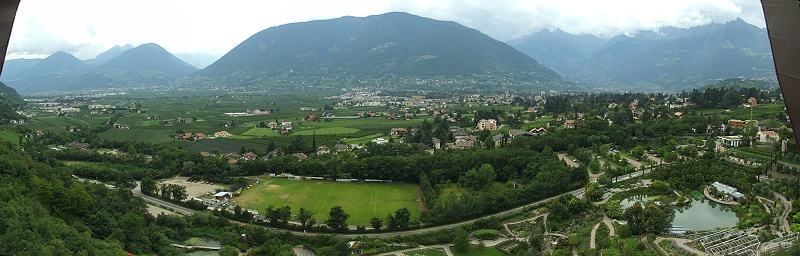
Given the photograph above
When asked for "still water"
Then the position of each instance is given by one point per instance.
(698, 215)
(705, 215)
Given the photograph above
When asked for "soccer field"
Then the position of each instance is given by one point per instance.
(361, 200)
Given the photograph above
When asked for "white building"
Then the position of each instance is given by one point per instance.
(730, 141)
(768, 136)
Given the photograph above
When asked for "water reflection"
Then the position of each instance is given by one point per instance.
(700, 214)
(703, 215)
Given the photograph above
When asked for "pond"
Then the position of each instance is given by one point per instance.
(700, 214)
(704, 214)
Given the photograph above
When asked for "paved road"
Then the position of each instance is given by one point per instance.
(570, 163)
(655, 159)
(177, 208)
(630, 160)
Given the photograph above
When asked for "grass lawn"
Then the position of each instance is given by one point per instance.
(426, 252)
(361, 200)
(475, 250)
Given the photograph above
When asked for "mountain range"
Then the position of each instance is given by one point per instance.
(388, 47)
(400, 49)
(671, 59)
(119, 67)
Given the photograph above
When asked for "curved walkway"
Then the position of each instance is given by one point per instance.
(527, 220)
(785, 214)
(213, 248)
(708, 195)
(445, 247)
(610, 226)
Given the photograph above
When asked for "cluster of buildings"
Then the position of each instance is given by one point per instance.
(248, 113)
(188, 136)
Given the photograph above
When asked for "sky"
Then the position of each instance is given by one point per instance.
(86, 28)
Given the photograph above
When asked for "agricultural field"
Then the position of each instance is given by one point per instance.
(138, 135)
(52, 123)
(222, 145)
(361, 200)
(760, 112)
(204, 112)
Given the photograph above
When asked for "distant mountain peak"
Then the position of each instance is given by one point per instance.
(394, 44)
(148, 56)
(109, 54)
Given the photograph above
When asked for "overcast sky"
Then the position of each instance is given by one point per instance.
(86, 28)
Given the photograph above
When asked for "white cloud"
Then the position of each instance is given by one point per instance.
(87, 27)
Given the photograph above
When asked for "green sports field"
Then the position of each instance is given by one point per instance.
(361, 200)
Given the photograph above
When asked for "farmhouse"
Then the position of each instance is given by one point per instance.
(398, 132)
(300, 156)
(569, 124)
(221, 134)
(342, 147)
(272, 125)
(538, 131)
(249, 156)
(271, 154)
(768, 136)
(460, 135)
(183, 136)
(323, 150)
(232, 157)
(380, 141)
